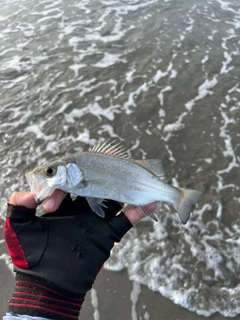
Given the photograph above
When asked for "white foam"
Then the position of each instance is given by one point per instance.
(203, 91)
(205, 59)
(38, 132)
(136, 290)
(13, 63)
(161, 96)
(129, 75)
(161, 113)
(169, 72)
(76, 67)
(93, 108)
(178, 125)
(229, 150)
(211, 37)
(108, 60)
(173, 74)
(225, 5)
(54, 3)
(94, 300)
(56, 16)
(96, 36)
(228, 58)
(132, 96)
(159, 75)
(171, 158)
(86, 138)
(208, 160)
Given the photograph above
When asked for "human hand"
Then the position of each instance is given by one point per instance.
(60, 253)
(52, 203)
(26, 199)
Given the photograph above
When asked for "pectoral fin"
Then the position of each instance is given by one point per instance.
(96, 205)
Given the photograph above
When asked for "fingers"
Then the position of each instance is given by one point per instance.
(135, 214)
(52, 203)
(25, 199)
(111, 209)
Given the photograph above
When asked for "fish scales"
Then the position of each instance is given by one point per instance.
(121, 180)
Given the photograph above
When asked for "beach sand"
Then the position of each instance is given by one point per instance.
(115, 297)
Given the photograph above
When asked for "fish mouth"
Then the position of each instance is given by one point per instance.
(39, 187)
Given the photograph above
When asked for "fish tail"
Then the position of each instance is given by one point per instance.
(187, 200)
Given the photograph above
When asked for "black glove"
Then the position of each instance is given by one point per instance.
(57, 256)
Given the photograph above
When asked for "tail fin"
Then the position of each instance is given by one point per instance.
(186, 202)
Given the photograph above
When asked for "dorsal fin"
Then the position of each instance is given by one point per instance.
(110, 148)
(153, 165)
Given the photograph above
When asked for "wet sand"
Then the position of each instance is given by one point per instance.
(114, 302)
(114, 297)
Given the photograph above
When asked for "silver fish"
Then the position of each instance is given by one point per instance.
(106, 172)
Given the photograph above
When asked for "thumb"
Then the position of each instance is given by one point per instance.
(52, 203)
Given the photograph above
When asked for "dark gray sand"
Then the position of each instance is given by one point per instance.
(113, 291)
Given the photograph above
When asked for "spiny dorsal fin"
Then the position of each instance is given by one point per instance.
(110, 148)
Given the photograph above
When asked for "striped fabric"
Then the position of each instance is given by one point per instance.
(35, 299)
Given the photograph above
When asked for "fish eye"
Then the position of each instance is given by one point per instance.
(50, 171)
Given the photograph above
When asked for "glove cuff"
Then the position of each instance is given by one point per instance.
(37, 297)
(19, 213)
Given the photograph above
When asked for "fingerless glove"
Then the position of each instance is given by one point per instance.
(57, 256)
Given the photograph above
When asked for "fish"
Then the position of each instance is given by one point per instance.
(106, 172)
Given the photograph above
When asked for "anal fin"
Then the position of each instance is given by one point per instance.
(150, 210)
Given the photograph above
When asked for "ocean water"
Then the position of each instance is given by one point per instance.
(163, 78)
